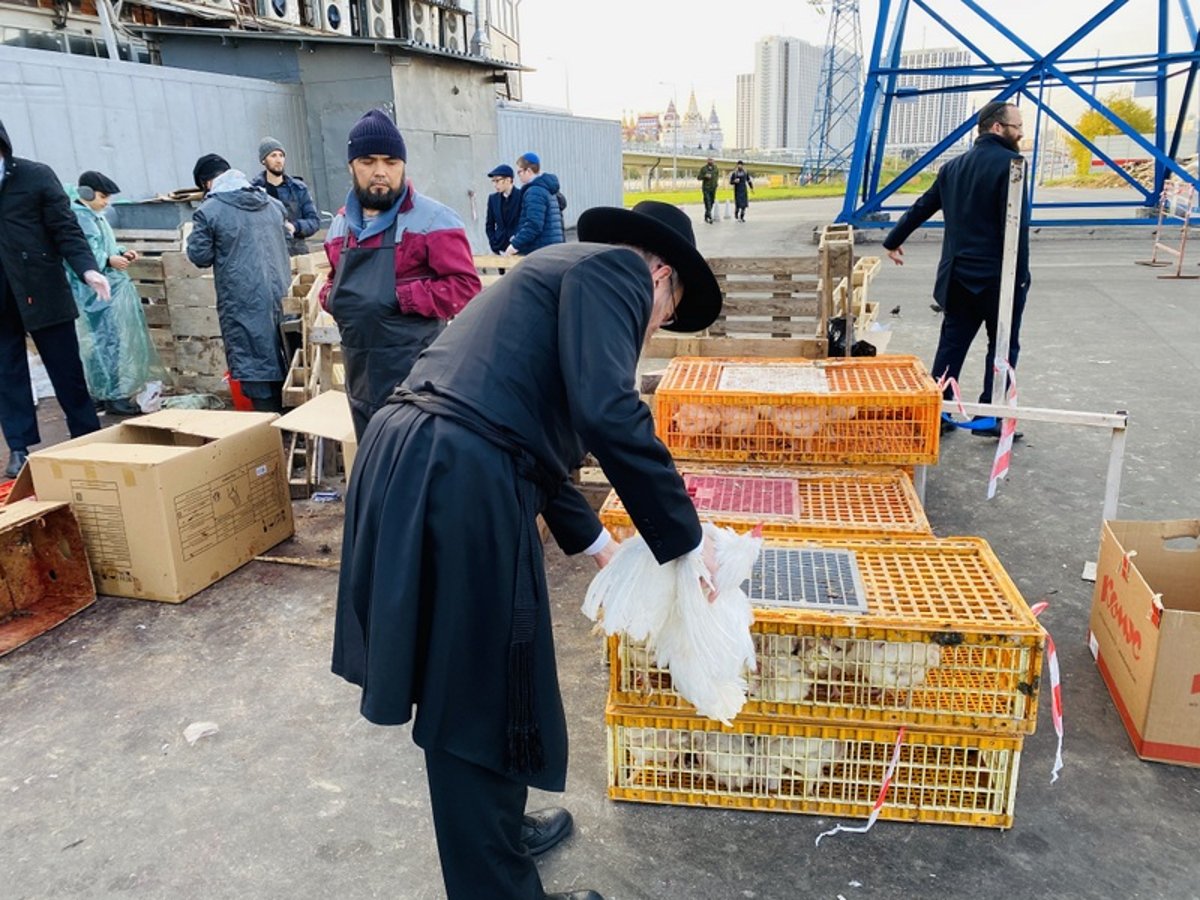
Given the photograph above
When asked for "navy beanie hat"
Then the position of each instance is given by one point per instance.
(375, 134)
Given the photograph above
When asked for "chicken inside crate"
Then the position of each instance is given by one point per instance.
(876, 410)
(925, 633)
(812, 768)
(797, 501)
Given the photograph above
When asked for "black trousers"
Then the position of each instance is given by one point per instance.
(477, 814)
(964, 313)
(710, 197)
(59, 349)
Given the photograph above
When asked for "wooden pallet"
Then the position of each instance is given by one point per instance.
(772, 306)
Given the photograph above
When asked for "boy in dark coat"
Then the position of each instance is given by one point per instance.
(38, 232)
(541, 221)
(503, 209)
(442, 602)
(972, 193)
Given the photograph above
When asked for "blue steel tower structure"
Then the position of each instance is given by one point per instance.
(1027, 81)
(831, 136)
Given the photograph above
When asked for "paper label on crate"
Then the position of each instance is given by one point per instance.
(216, 511)
(97, 507)
(774, 380)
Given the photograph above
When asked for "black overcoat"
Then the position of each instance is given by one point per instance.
(972, 192)
(38, 231)
(430, 554)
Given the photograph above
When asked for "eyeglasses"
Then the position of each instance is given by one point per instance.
(676, 298)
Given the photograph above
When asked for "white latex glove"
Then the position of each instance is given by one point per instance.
(291, 229)
(98, 283)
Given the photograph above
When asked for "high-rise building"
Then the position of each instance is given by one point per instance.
(921, 122)
(744, 120)
(786, 72)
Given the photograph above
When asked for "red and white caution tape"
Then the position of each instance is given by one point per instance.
(945, 381)
(883, 789)
(1056, 707)
(1008, 427)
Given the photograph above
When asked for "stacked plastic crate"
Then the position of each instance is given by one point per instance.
(864, 622)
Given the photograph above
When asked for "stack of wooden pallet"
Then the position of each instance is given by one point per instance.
(865, 624)
(180, 303)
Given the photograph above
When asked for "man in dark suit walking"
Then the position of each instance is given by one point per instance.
(442, 602)
(38, 233)
(972, 193)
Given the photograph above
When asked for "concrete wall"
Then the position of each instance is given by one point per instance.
(585, 154)
(144, 126)
(447, 113)
(340, 83)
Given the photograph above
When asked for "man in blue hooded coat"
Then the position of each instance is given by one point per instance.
(541, 222)
(241, 232)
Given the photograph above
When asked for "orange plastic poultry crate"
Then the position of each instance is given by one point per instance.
(945, 642)
(796, 502)
(881, 410)
(942, 777)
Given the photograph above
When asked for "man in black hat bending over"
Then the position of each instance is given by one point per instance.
(442, 600)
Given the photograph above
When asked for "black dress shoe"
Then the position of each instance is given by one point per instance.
(121, 408)
(16, 459)
(545, 828)
(948, 426)
(575, 895)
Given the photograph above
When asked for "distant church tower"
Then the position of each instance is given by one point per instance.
(695, 129)
(716, 137)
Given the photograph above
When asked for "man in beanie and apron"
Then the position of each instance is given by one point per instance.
(442, 599)
(302, 217)
(401, 265)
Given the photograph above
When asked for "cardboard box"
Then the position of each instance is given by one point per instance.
(44, 567)
(171, 502)
(1145, 634)
(326, 415)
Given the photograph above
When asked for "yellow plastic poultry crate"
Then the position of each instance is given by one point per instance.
(945, 642)
(948, 778)
(881, 410)
(795, 502)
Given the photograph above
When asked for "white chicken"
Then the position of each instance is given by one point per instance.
(782, 678)
(895, 665)
(799, 421)
(822, 656)
(738, 421)
(656, 748)
(730, 759)
(705, 646)
(803, 759)
(695, 419)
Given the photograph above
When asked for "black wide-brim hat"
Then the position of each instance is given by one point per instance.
(666, 230)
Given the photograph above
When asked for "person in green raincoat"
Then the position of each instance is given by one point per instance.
(119, 358)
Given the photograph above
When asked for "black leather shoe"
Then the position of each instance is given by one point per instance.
(545, 828)
(16, 459)
(948, 427)
(121, 408)
(575, 895)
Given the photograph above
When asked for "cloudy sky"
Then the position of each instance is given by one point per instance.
(633, 54)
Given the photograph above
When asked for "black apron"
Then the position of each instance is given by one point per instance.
(379, 342)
